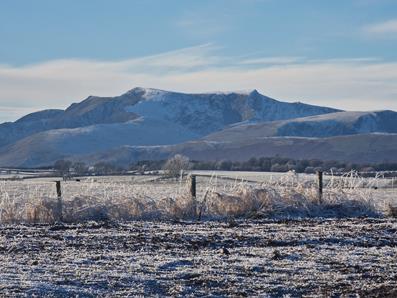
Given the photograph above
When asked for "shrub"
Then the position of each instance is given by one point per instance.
(175, 165)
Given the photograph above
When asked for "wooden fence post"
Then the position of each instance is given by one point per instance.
(193, 195)
(59, 201)
(193, 186)
(320, 185)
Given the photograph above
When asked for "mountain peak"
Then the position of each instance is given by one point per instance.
(146, 93)
(254, 92)
(138, 90)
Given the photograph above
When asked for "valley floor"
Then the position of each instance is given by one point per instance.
(308, 258)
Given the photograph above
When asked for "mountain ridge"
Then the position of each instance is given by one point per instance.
(147, 118)
(202, 113)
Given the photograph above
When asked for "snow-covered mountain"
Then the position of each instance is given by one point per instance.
(149, 117)
(142, 117)
(195, 115)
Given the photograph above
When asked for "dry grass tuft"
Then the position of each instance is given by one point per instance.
(287, 198)
(288, 203)
(392, 210)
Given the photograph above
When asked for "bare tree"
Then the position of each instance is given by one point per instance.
(104, 168)
(63, 167)
(80, 168)
(175, 165)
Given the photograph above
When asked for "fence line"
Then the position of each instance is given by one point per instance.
(330, 173)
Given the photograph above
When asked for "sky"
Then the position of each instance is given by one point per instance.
(340, 53)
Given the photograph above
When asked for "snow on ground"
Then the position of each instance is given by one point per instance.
(311, 258)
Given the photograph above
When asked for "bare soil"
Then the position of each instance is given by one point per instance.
(299, 258)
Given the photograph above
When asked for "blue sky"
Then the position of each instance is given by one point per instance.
(338, 53)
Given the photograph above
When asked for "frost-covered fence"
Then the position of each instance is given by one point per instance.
(354, 179)
(215, 195)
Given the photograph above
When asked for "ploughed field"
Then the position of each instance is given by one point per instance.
(311, 258)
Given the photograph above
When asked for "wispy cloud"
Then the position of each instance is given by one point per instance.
(272, 60)
(388, 28)
(346, 60)
(355, 83)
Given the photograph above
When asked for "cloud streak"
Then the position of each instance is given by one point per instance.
(354, 84)
(388, 28)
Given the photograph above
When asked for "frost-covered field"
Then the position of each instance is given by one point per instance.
(260, 235)
(219, 195)
(311, 258)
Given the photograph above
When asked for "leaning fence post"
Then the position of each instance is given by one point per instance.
(59, 201)
(320, 185)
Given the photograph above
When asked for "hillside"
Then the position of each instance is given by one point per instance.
(362, 148)
(327, 125)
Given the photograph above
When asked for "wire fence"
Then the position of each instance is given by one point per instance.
(145, 195)
(355, 179)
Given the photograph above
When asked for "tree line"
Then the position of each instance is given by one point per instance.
(67, 167)
(262, 164)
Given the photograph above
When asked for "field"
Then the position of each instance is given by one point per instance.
(308, 257)
(259, 235)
